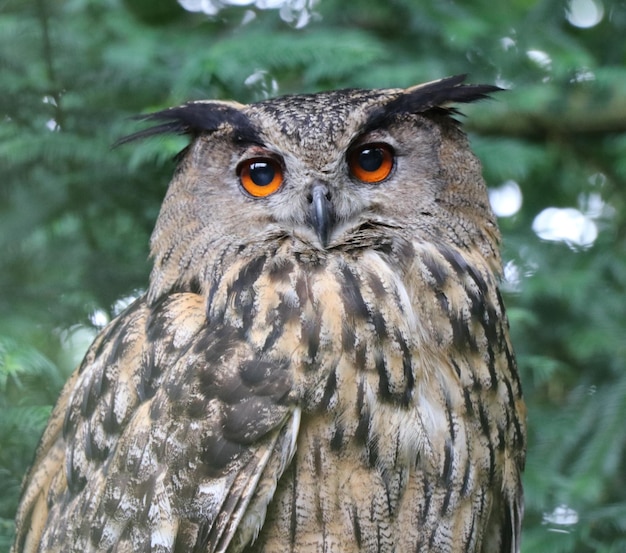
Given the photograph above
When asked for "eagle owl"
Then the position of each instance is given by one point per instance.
(321, 362)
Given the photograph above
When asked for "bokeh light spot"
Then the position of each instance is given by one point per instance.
(584, 13)
(506, 200)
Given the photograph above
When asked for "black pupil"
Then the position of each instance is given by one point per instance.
(370, 159)
(262, 173)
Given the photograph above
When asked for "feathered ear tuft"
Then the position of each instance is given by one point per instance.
(435, 95)
(195, 118)
(451, 90)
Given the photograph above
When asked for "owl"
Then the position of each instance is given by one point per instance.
(321, 362)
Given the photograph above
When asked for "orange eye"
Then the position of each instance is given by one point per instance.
(260, 177)
(371, 163)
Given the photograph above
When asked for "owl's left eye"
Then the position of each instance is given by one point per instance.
(260, 177)
(371, 163)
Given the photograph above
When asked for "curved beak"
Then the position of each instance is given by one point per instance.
(321, 212)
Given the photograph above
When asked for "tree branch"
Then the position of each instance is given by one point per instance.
(55, 89)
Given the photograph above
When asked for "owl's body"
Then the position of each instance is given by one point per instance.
(323, 368)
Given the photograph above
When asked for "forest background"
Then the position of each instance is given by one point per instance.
(76, 216)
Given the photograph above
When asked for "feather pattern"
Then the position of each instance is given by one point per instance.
(271, 393)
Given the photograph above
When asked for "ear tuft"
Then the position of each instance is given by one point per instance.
(444, 91)
(195, 118)
(435, 96)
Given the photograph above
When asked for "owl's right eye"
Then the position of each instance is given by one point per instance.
(260, 177)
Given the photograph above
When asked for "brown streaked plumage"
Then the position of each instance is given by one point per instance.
(325, 368)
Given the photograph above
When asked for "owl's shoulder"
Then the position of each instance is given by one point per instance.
(164, 404)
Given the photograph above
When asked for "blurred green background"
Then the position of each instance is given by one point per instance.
(75, 216)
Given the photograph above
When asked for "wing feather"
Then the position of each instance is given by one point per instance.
(160, 439)
(273, 460)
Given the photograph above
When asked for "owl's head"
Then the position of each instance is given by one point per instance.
(328, 173)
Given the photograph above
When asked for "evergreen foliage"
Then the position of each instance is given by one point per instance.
(76, 215)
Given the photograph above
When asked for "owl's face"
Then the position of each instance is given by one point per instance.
(329, 173)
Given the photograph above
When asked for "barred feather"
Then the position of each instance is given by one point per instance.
(274, 393)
